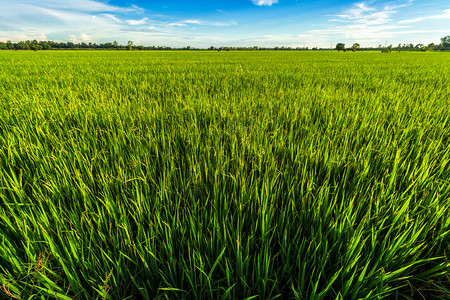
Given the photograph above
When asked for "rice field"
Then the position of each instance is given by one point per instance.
(224, 175)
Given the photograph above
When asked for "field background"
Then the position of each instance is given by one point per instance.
(303, 175)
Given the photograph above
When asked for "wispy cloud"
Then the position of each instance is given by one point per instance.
(392, 7)
(82, 6)
(137, 22)
(368, 22)
(93, 21)
(363, 22)
(444, 15)
(361, 13)
(264, 2)
(358, 32)
(112, 17)
(81, 20)
(185, 23)
(83, 37)
(356, 11)
(284, 38)
(177, 24)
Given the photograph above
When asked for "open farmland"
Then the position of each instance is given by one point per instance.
(224, 175)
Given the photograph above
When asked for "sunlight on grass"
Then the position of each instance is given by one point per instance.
(311, 175)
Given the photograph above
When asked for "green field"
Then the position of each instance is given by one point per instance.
(224, 175)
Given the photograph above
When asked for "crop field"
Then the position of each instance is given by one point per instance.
(224, 175)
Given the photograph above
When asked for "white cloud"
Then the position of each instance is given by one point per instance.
(83, 37)
(358, 31)
(389, 7)
(223, 24)
(264, 2)
(112, 17)
(137, 22)
(185, 23)
(363, 14)
(444, 15)
(368, 23)
(177, 24)
(198, 22)
(50, 22)
(61, 20)
(80, 5)
(363, 22)
(94, 21)
(284, 39)
(356, 11)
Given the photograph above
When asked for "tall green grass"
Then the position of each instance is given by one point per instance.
(232, 175)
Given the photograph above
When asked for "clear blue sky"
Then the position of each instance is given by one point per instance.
(201, 23)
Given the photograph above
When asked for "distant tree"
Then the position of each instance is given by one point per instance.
(22, 46)
(446, 41)
(105, 46)
(35, 47)
(340, 46)
(48, 45)
(355, 47)
(45, 45)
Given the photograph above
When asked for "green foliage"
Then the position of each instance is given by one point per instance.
(340, 46)
(224, 175)
(446, 41)
(36, 47)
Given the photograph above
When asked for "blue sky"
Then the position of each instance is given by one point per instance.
(202, 23)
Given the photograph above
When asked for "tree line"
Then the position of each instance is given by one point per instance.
(443, 46)
(52, 45)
